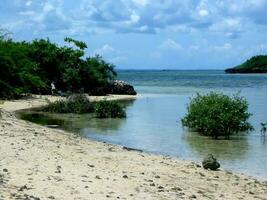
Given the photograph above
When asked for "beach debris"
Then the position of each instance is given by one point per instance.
(89, 165)
(111, 149)
(193, 196)
(131, 149)
(24, 187)
(52, 126)
(210, 163)
(125, 176)
(58, 169)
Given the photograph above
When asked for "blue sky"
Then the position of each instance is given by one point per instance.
(147, 34)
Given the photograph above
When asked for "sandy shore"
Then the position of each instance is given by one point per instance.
(41, 163)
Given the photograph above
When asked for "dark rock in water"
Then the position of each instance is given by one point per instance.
(210, 163)
(121, 87)
(116, 87)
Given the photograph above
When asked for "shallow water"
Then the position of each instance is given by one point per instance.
(153, 121)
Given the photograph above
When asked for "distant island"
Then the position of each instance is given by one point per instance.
(256, 64)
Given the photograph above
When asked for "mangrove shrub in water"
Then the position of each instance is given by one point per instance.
(74, 104)
(109, 109)
(216, 114)
(80, 104)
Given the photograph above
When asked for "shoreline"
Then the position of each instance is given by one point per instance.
(39, 162)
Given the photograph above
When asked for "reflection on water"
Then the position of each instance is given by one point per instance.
(230, 150)
(79, 124)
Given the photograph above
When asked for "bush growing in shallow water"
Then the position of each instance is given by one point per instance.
(80, 104)
(109, 109)
(216, 114)
(74, 104)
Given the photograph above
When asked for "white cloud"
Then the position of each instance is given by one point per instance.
(141, 2)
(170, 44)
(203, 13)
(106, 49)
(28, 3)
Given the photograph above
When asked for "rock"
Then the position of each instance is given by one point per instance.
(193, 196)
(125, 176)
(210, 163)
(116, 87)
(121, 87)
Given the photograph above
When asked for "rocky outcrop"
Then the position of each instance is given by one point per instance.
(121, 87)
(210, 163)
(116, 87)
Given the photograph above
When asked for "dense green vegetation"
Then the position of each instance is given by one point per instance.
(256, 64)
(31, 67)
(216, 114)
(109, 109)
(80, 104)
(74, 104)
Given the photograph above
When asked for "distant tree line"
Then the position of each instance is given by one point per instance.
(256, 64)
(31, 67)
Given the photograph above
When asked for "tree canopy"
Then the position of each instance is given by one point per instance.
(31, 67)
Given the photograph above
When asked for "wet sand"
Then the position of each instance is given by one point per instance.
(42, 163)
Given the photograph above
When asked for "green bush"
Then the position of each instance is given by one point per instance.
(74, 104)
(109, 109)
(216, 114)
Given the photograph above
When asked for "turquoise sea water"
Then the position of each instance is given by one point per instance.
(153, 121)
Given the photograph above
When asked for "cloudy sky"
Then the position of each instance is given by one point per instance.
(147, 34)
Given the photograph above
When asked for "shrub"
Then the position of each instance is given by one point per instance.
(216, 114)
(74, 104)
(109, 109)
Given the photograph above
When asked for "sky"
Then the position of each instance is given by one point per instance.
(147, 34)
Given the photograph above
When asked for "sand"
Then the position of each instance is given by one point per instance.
(42, 163)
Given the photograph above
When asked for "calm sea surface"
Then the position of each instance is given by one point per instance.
(153, 121)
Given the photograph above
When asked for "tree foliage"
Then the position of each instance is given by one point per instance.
(31, 67)
(256, 64)
(216, 114)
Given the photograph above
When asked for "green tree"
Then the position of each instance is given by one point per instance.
(31, 67)
(216, 114)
